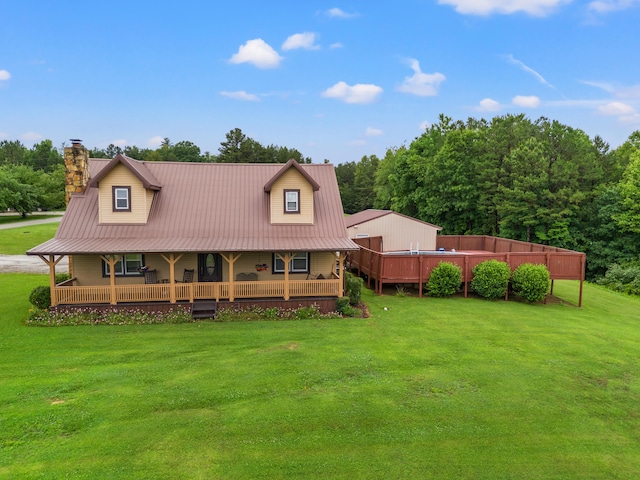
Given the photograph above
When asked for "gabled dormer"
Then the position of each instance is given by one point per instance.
(291, 195)
(126, 189)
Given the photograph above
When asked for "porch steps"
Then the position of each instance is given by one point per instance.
(204, 309)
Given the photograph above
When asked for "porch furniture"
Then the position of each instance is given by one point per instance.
(151, 276)
(187, 276)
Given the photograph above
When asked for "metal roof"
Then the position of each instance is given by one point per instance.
(371, 214)
(203, 207)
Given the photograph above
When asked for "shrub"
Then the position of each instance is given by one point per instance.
(62, 277)
(445, 280)
(344, 308)
(622, 278)
(531, 281)
(353, 288)
(40, 297)
(491, 279)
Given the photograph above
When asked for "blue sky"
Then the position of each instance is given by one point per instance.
(336, 80)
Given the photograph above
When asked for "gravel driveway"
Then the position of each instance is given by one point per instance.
(26, 263)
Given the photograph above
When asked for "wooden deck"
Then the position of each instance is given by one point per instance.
(67, 294)
(381, 268)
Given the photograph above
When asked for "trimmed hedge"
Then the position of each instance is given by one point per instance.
(40, 297)
(531, 281)
(491, 279)
(353, 288)
(445, 280)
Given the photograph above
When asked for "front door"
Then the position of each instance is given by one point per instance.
(209, 267)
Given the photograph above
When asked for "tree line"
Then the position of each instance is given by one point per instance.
(531, 180)
(33, 179)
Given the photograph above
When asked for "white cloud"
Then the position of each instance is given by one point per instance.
(359, 93)
(530, 70)
(3, 135)
(31, 137)
(538, 8)
(489, 105)
(616, 108)
(155, 142)
(421, 84)
(258, 53)
(372, 132)
(241, 95)
(120, 142)
(621, 92)
(526, 101)
(424, 125)
(335, 45)
(4, 75)
(606, 6)
(304, 40)
(338, 13)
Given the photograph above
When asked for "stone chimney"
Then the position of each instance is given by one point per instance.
(76, 165)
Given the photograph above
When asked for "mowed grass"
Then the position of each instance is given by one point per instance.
(16, 241)
(429, 388)
(4, 219)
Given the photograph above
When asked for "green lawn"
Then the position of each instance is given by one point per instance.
(429, 388)
(16, 241)
(18, 218)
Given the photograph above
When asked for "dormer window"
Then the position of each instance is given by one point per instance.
(121, 199)
(292, 201)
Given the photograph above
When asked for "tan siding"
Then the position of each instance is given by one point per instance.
(292, 180)
(398, 233)
(141, 199)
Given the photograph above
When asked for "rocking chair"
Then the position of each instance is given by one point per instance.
(151, 276)
(187, 276)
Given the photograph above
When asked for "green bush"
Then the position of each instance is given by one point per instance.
(40, 297)
(344, 308)
(491, 279)
(531, 281)
(62, 277)
(622, 278)
(353, 288)
(445, 280)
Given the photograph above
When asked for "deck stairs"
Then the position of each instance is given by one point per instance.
(204, 309)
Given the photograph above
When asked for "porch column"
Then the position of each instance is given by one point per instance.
(341, 257)
(231, 259)
(286, 259)
(111, 260)
(172, 260)
(52, 262)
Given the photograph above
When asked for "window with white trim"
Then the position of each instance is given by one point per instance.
(121, 199)
(292, 201)
(128, 265)
(298, 264)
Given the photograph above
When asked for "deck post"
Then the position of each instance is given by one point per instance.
(52, 262)
(111, 261)
(583, 261)
(231, 259)
(420, 276)
(466, 276)
(341, 258)
(172, 260)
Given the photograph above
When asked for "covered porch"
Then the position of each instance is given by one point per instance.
(286, 287)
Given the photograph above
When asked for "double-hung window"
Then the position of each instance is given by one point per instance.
(292, 201)
(121, 199)
(128, 265)
(299, 263)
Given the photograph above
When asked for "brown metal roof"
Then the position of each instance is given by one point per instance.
(139, 169)
(371, 214)
(292, 164)
(204, 207)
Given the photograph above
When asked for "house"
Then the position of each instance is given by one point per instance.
(399, 232)
(207, 231)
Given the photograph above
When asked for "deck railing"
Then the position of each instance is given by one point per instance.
(75, 295)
